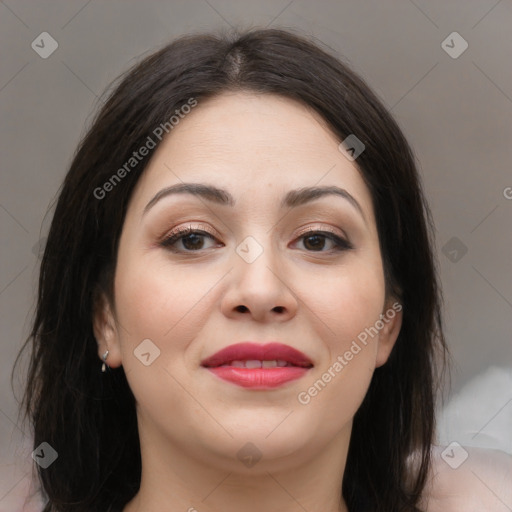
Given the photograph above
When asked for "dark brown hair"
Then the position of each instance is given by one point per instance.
(89, 417)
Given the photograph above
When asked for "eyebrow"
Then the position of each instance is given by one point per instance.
(292, 199)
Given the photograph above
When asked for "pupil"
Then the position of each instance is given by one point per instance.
(316, 245)
(195, 239)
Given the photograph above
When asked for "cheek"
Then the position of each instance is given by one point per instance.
(347, 301)
(168, 306)
(347, 307)
(161, 301)
(155, 300)
(346, 311)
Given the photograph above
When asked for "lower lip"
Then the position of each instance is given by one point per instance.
(259, 378)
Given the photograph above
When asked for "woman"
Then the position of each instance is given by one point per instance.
(242, 244)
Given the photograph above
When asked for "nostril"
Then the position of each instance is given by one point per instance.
(241, 309)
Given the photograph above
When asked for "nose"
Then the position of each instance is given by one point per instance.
(260, 290)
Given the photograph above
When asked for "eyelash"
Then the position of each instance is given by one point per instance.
(340, 244)
(168, 241)
(181, 233)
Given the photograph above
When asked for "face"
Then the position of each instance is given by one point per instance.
(307, 274)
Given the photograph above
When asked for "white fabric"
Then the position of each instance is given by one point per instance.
(482, 483)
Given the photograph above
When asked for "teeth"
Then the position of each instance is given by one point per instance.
(253, 364)
(258, 364)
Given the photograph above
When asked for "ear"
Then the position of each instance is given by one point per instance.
(391, 317)
(106, 330)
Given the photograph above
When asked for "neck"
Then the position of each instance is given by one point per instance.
(177, 478)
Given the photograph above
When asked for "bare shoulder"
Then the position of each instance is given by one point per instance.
(469, 479)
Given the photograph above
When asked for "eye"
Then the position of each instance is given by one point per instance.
(317, 241)
(190, 239)
(193, 240)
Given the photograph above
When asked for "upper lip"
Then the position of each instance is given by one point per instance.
(254, 351)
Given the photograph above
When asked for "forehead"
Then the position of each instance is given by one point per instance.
(244, 122)
(247, 142)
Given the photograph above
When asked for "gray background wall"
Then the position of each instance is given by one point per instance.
(456, 112)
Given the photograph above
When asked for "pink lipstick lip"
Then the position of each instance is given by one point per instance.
(248, 351)
(258, 378)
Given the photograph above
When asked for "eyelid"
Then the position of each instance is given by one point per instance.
(189, 227)
(315, 229)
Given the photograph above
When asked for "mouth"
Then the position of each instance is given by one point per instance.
(256, 366)
(255, 363)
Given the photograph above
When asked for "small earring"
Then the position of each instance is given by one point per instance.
(104, 357)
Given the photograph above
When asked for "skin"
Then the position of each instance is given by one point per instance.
(312, 297)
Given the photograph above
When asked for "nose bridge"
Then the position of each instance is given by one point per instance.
(256, 258)
(258, 284)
